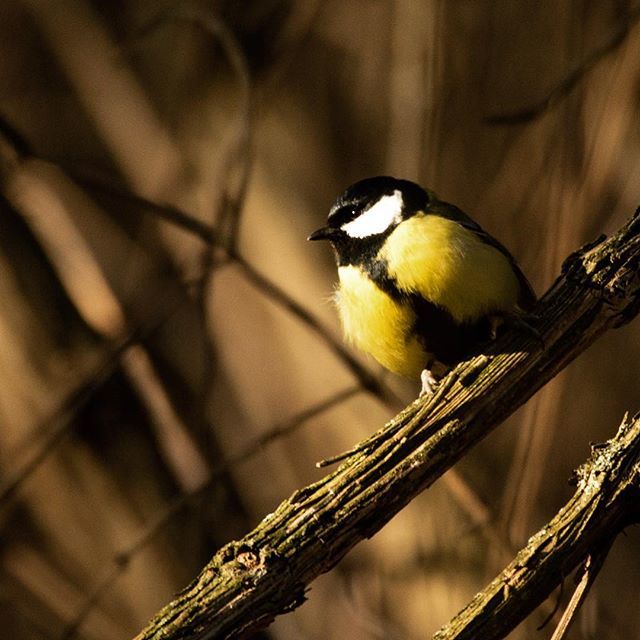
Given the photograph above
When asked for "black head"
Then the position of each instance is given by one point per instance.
(366, 213)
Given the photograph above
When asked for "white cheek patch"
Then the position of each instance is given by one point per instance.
(377, 219)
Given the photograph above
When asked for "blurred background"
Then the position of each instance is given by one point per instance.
(171, 366)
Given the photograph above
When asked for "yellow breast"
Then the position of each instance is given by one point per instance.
(451, 266)
(377, 324)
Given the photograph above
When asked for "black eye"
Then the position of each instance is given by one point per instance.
(343, 215)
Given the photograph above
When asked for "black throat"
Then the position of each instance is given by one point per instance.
(357, 251)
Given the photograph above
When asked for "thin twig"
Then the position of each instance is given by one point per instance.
(209, 235)
(225, 223)
(123, 558)
(56, 427)
(266, 573)
(273, 291)
(229, 222)
(95, 180)
(267, 287)
(583, 530)
(590, 570)
(556, 607)
(569, 82)
(15, 139)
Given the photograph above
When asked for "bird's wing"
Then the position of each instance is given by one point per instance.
(527, 297)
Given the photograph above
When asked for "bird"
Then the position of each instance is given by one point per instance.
(421, 284)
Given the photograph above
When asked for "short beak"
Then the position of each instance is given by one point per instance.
(324, 233)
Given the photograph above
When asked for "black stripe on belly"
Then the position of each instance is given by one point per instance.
(436, 329)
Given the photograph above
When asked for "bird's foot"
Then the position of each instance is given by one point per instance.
(431, 376)
(429, 383)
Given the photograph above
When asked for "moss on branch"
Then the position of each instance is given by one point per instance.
(606, 500)
(250, 581)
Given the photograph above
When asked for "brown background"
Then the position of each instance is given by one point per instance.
(118, 98)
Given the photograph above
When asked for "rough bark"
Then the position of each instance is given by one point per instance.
(605, 501)
(266, 573)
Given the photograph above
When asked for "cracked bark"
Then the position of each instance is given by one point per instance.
(250, 581)
(605, 501)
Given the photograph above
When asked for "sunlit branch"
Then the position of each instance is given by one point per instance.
(266, 573)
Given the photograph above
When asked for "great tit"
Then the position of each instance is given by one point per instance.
(421, 284)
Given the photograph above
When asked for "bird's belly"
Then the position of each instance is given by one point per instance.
(379, 325)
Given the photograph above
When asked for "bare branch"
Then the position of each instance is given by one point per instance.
(590, 571)
(121, 561)
(605, 502)
(229, 223)
(210, 235)
(56, 427)
(570, 81)
(273, 291)
(250, 581)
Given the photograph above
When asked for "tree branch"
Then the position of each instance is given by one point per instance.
(250, 581)
(582, 531)
(590, 570)
(571, 80)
